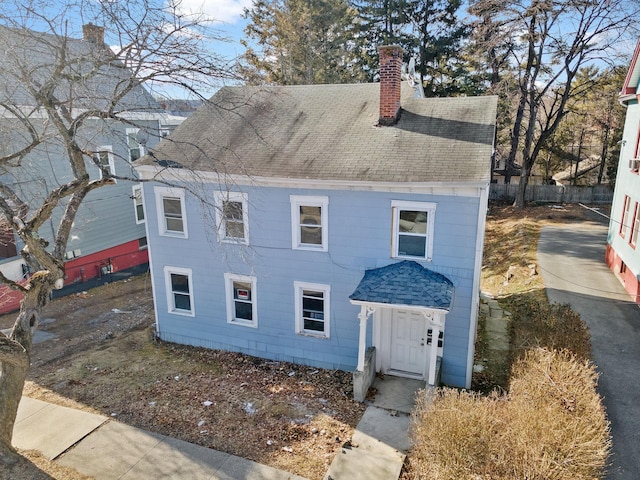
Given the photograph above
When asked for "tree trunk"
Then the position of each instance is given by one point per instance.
(15, 352)
(603, 154)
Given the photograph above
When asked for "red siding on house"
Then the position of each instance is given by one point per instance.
(117, 258)
(85, 268)
(628, 278)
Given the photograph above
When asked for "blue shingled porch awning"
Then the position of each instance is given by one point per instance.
(405, 283)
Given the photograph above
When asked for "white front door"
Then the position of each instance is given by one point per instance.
(408, 339)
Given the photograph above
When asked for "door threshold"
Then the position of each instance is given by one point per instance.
(401, 373)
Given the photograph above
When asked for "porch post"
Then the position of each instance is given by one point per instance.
(436, 324)
(433, 354)
(362, 344)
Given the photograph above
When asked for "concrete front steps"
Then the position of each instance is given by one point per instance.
(380, 442)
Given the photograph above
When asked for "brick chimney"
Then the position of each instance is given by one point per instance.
(390, 78)
(93, 33)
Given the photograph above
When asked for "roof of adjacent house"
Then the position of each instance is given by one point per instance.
(405, 283)
(630, 86)
(330, 132)
(30, 57)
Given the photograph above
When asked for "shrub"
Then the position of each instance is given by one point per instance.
(551, 425)
(554, 327)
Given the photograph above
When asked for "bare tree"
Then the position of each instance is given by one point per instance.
(57, 94)
(555, 40)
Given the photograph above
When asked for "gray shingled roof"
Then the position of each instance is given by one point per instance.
(26, 52)
(329, 132)
(405, 283)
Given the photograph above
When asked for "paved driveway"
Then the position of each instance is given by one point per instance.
(571, 260)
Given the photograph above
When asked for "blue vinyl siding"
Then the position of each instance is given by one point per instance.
(359, 238)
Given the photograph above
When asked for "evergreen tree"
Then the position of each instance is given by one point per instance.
(381, 22)
(439, 33)
(300, 42)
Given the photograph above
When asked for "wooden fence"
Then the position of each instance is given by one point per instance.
(553, 193)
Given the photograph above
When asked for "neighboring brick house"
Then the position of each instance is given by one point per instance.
(623, 251)
(339, 226)
(108, 234)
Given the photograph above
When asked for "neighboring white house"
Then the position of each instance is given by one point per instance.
(623, 251)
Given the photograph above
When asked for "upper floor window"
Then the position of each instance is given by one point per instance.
(312, 309)
(309, 222)
(232, 218)
(138, 206)
(104, 159)
(136, 149)
(626, 207)
(635, 227)
(172, 219)
(413, 224)
(179, 290)
(242, 307)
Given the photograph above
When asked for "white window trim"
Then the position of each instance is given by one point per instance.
(137, 190)
(430, 208)
(311, 201)
(229, 278)
(112, 163)
(160, 193)
(221, 197)
(299, 287)
(170, 299)
(140, 146)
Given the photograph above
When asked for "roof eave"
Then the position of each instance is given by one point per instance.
(419, 308)
(155, 172)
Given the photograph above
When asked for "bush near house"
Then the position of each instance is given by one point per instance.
(551, 425)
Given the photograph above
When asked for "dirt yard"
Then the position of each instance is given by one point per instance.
(103, 358)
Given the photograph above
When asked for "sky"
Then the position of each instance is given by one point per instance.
(229, 21)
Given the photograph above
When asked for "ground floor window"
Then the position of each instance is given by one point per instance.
(241, 299)
(179, 290)
(312, 309)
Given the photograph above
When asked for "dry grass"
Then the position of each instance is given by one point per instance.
(511, 248)
(287, 416)
(551, 425)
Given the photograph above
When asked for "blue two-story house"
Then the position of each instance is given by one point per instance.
(339, 226)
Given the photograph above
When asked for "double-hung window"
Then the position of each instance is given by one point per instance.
(242, 307)
(312, 304)
(179, 290)
(172, 221)
(138, 204)
(626, 207)
(309, 222)
(635, 227)
(104, 159)
(136, 149)
(232, 217)
(413, 224)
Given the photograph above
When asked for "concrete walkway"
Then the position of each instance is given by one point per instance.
(380, 442)
(105, 449)
(571, 260)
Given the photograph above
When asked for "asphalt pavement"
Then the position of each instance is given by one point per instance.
(571, 261)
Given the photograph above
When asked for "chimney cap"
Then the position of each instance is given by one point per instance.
(392, 47)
